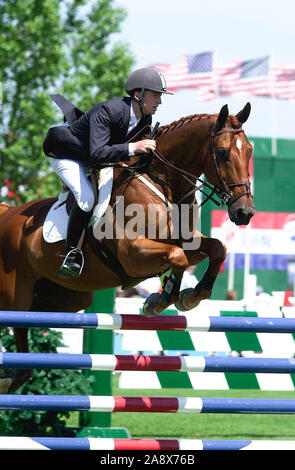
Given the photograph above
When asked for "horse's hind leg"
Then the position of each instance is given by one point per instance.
(11, 380)
(5, 379)
(48, 297)
(20, 376)
(16, 295)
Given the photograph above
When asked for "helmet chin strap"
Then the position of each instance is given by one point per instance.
(139, 102)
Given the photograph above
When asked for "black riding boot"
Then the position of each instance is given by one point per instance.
(74, 259)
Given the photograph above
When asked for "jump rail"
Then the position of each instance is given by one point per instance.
(147, 404)
(82, 443)
(104, 321)
(146, 363)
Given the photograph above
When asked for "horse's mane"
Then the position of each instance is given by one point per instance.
(232, 120)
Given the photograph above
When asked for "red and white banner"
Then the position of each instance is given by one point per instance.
(269, 238)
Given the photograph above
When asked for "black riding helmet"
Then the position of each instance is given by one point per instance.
(146, 79)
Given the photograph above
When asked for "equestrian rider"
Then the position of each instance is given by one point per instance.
(100, 135)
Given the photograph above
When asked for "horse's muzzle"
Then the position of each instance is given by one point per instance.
(241, 214)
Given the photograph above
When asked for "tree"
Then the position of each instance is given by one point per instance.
(43, 382)
(49, 46)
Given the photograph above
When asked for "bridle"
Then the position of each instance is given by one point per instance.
(225, 194)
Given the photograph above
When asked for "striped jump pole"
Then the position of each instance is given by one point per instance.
(104, 321)
(146, 363)
(83, 443)
(147, 404)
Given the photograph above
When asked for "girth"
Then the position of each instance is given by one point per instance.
(101, 250)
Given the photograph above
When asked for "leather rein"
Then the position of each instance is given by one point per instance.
(225, 194)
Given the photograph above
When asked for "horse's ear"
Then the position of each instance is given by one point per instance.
(243, 115)
(222, 117)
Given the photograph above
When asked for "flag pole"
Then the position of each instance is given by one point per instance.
(246, 266)
(231, 271)
(273, 107)
(216, 79)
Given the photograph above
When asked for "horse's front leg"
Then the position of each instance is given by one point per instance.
(216, 252)
(146, 257)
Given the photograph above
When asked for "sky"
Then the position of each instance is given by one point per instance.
(163, 30)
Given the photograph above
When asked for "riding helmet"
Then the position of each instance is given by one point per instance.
(146, 79)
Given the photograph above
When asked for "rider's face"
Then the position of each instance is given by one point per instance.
(151, 101)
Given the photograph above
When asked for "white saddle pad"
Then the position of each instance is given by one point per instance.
(55, 225)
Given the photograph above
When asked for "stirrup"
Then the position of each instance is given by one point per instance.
(71, 266)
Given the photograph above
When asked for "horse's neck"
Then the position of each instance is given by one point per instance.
(185, 148)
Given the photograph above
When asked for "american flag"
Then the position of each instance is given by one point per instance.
(250, 77)
(188, 71)
(283, 82)
(254, 77)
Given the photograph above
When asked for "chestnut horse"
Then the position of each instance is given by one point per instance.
(214, 145)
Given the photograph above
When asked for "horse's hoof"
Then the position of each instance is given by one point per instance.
(6, 379)
(179, 304)
(5, 383)
(149, 305)
(19, 377)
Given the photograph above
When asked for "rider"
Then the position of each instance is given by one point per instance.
(100, 135)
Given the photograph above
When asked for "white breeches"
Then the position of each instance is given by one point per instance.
(72, 174)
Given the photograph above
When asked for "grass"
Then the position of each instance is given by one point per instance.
(202, 426)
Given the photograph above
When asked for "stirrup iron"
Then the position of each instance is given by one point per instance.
(66, 265)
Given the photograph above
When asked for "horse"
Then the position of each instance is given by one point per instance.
(214, 145)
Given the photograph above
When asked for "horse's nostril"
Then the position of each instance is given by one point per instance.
(240, 213)
(240, 216)
(243, 216)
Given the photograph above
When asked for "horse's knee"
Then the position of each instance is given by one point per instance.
(217, 249)
(177, 258)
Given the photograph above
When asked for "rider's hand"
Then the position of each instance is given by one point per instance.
(142, 146)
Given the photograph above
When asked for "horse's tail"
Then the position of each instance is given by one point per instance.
(3, 208)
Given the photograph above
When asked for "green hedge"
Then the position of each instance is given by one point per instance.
(43, 382)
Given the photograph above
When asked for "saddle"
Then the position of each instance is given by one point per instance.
(98, 246)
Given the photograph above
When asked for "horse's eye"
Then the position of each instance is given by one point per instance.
(222, 155)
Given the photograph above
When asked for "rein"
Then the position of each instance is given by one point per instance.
(224, 195)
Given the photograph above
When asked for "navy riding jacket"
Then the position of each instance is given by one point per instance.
(99, 135)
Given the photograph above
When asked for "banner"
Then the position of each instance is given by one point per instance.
(269, 238)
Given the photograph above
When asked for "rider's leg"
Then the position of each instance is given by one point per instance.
(72, 174)
(74, 260)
